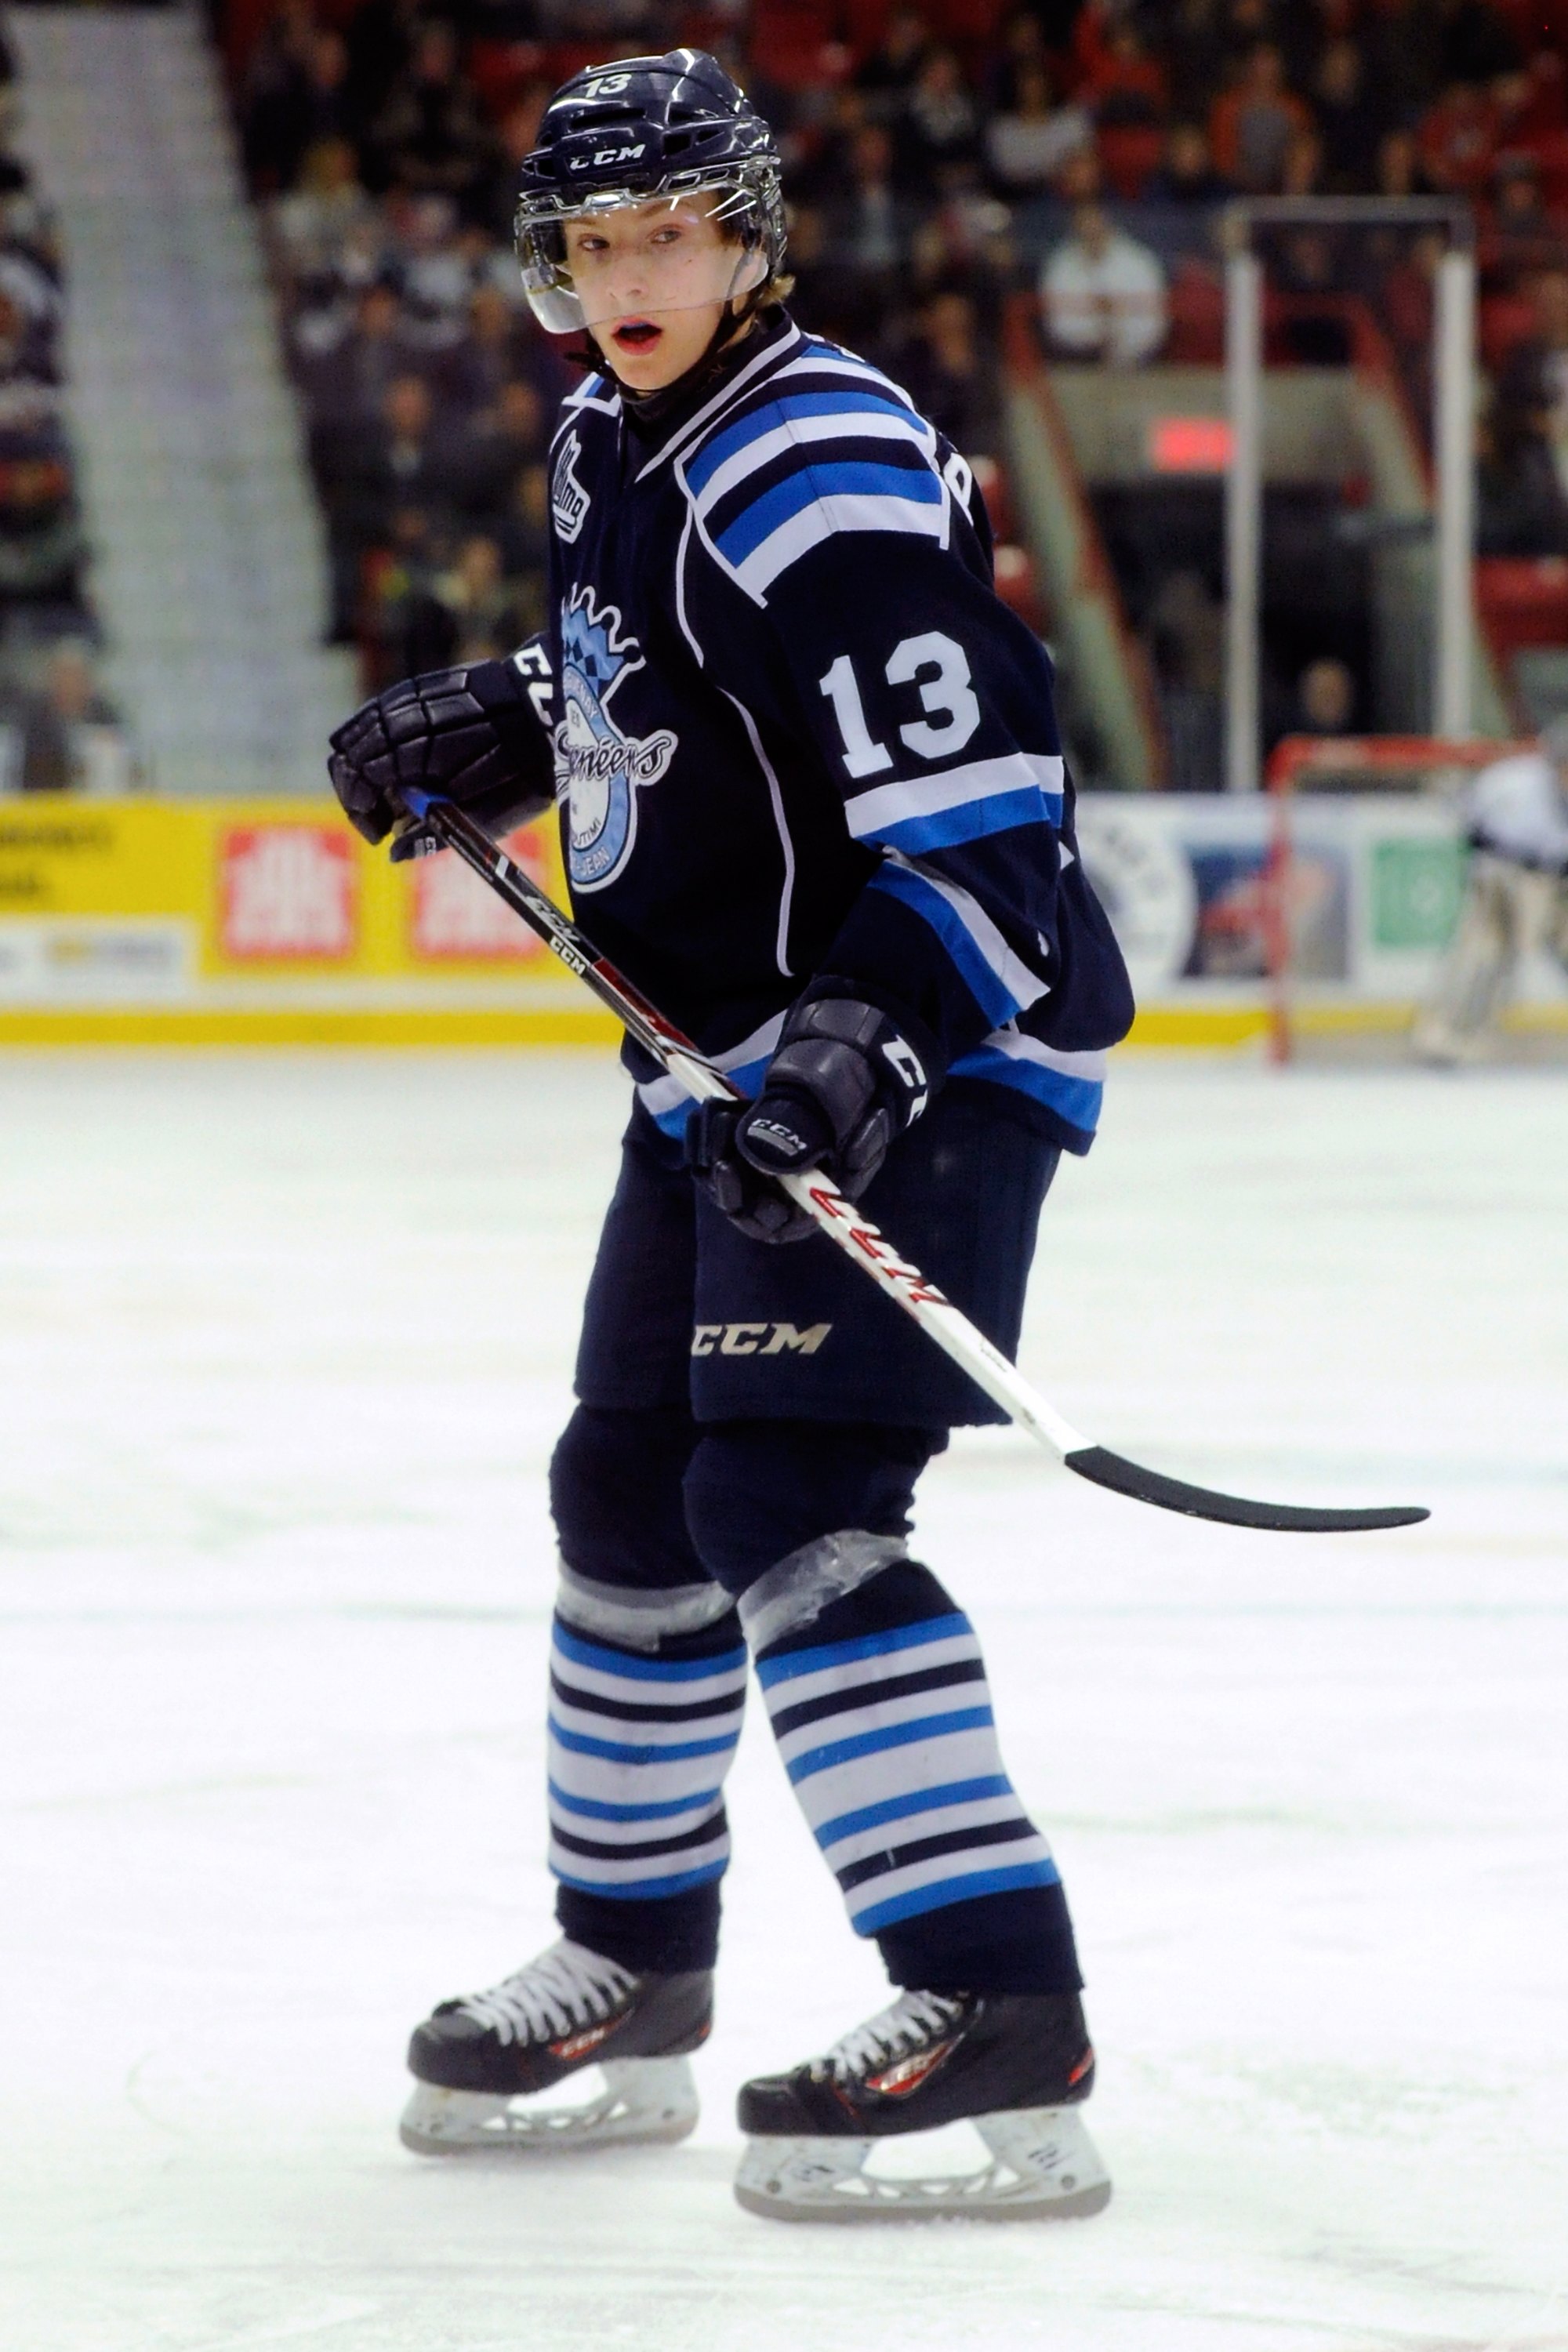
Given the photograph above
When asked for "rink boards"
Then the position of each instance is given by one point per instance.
(138, 921)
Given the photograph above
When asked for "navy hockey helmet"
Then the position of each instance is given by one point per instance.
(626, 133)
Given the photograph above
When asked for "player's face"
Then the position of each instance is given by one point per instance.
(653, 280)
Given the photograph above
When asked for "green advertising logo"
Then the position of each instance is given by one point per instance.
(1416, 887)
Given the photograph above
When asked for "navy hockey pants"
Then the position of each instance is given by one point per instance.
(737, 1480)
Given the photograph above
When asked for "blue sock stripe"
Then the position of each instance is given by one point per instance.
(645, 1669)
(918, 1800)
(643, 1890)
(962, 1889)
(578, 1744)
(895, 1734)
(780, 1669)
(667, 1810)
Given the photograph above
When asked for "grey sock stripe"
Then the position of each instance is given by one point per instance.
(796, 1590)
(637, 1620)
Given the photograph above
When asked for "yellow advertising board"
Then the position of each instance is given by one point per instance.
(146, 920)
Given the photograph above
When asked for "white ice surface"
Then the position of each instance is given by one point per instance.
(283, 1344)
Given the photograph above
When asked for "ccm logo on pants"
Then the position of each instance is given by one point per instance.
(757, 1339)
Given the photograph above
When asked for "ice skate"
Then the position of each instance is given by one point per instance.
(480, 2061)
(1017, 2068)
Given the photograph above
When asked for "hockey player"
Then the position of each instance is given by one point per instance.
(813, 803)
(1516, 897)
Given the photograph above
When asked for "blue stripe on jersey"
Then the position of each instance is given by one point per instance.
(971, 822)
(920, 1801)
(1077, 1100)
(962, 1889)
(901, 484)
(653, 1670)
(792, 1663)
(835, 1752)
(664, 1811)
(848, 401)
(990, 991)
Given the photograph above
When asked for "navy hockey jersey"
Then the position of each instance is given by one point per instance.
(796, 733)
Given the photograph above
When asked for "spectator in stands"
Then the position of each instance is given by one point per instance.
(1350, 119)
(937, 134)
(1521, 506)
(1127, 87)
(1399, 171)
(311, 226)
(29, 324)
(1524, 234)
(1458, 140)
(1103, 294)
(1535, 382)
(523, 533)
(1251, 127)
(891, 70)
(496, 349)
(1027, 144)
(1325, 698)
(869, 231)
(402, 624)
(1186, 637)
(488, 620)
(1020, 48)
(345, 367)
(54, 756)
(502, 440)
(276, 82)
(495, 199)
(1188, 176)
(1194, 45)
(430, 138)
(42, 546)
(948, 375)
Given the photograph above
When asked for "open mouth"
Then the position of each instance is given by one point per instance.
(637, 334)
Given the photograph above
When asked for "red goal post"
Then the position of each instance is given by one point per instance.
(1350, 765)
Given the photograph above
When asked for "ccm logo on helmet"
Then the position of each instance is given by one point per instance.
(606, 155)
(757, 1339)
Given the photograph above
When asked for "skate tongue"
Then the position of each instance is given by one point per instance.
(890, 2041)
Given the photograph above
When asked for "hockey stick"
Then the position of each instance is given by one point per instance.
(854, 1232)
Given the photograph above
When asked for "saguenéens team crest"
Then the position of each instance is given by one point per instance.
(599, 771)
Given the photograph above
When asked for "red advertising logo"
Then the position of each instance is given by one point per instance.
(456, 920)
(288, 891)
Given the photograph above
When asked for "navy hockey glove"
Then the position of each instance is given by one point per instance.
(846, 1081)
(472, 735)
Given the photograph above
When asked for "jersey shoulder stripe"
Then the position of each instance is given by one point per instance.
(825, 445)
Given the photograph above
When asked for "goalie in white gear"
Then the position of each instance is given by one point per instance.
(1516, 897)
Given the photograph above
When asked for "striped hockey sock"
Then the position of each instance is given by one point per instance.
(638, 1747)
(883, 1719)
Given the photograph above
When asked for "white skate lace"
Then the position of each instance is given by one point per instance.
(913, 2018)
(566, 1989)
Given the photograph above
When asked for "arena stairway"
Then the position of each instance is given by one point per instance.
(208, 570)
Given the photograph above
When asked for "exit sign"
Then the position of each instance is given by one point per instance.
(1190, 445)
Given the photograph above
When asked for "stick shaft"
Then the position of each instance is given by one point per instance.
(854, 1232)
(840, 1220)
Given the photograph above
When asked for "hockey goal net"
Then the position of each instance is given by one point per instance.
(1362, 887)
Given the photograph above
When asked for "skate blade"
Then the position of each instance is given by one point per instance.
(1044, 2168)
(643, 2101)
